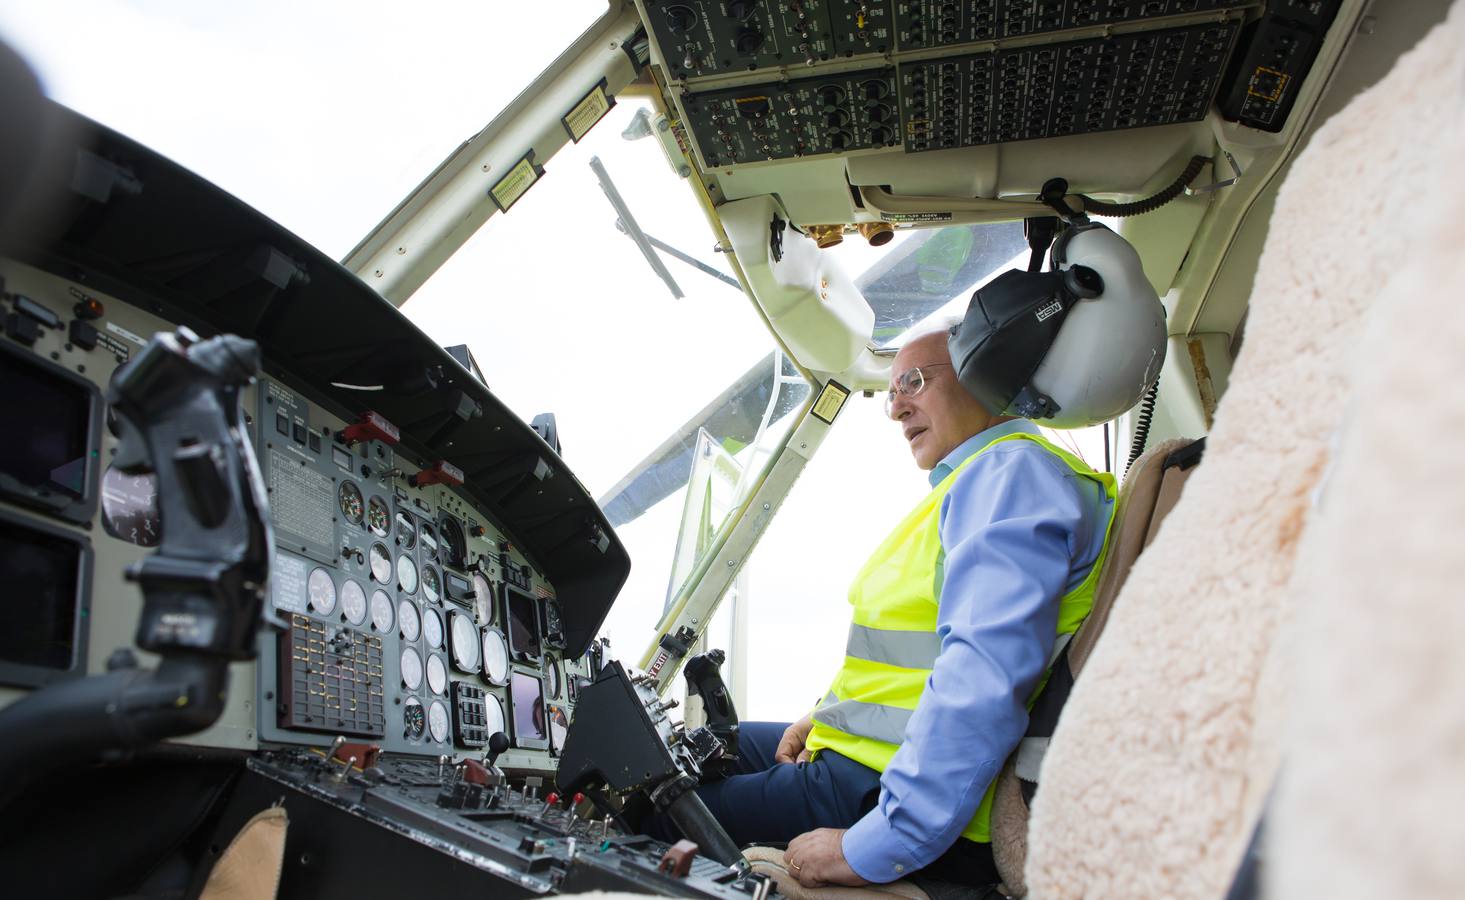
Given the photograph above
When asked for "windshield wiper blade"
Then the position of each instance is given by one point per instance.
(628, 224)
(694, 261)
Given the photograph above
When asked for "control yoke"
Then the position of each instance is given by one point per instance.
(177, 405)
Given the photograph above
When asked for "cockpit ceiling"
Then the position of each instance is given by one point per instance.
(817, 101)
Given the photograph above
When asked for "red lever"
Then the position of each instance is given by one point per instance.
(474, 772)
(441, 472)
(372, 427)
(365, 754)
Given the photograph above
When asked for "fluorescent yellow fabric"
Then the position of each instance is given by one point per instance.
(895, 604)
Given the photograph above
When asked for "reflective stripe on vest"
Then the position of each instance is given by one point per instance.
(893, 642)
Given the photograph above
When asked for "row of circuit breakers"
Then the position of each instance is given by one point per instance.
(973, 72)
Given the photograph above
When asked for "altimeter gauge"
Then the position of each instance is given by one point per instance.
(380, 562)
(437, 721)
(322, 591)
(495, 657)
(409, 620)
(482, 598)
(353, 603)
(130, 507)
(437, 674)
(407, 574)
(432, 627)
(381, 611)
(411, 669)
(465, 642)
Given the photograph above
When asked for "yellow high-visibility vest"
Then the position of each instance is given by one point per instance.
(893, 644)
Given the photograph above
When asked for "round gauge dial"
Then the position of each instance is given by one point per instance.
(407, 574)
(493, 718)
(454, 544)
(406, 530)
(432, 584)
(437, 721)
(437, 674)
(130, 507)
(432, 628)
(559, 728)
(353, 603)
(495, 657)
(482, 598)
(555, 682)
(411, 669)
(429, 541)
(409, 619)
(381, 612)
(465, 642)
(378, 518)
(322, 591)
(414, 720)
(353, 507)
(381, 564)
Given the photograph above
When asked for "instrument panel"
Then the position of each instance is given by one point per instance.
(407, 616)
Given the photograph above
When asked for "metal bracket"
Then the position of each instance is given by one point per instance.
(1217, 185)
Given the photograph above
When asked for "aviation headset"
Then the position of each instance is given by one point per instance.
(1070, 347)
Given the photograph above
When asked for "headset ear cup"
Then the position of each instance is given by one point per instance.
(1058, 257)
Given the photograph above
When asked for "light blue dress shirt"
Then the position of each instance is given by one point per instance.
(1018, 531)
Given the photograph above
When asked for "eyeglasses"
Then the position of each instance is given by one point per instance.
(910, 383)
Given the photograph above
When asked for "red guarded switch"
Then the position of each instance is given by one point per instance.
(440, 472)
(372, 427)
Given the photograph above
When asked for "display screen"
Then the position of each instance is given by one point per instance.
(47, 426)
(42, 572)
(528, 699)
(522, 614)
(457, 588)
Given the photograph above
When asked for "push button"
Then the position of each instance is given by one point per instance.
(22, 328)
(83, 334)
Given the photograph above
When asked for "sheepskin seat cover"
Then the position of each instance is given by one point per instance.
(1159, 766)
(1374, 768)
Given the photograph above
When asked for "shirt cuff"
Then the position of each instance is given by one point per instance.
(875, 851)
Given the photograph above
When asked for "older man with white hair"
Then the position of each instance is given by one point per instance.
(956, 615)
(954, 618)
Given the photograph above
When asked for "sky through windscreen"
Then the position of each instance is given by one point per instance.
(322, 114)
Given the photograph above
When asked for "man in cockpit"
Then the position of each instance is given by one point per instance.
(956, 613)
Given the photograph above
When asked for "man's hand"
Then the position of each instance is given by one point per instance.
(816, 858)
(791, 745)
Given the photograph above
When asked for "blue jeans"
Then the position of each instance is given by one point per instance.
(764, 802)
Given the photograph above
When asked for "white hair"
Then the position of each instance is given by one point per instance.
(942, 325)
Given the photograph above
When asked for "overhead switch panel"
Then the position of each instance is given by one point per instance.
(1050, 90)
(1045, 90)
(943, 23)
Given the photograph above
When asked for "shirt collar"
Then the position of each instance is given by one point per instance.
(976, 442)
